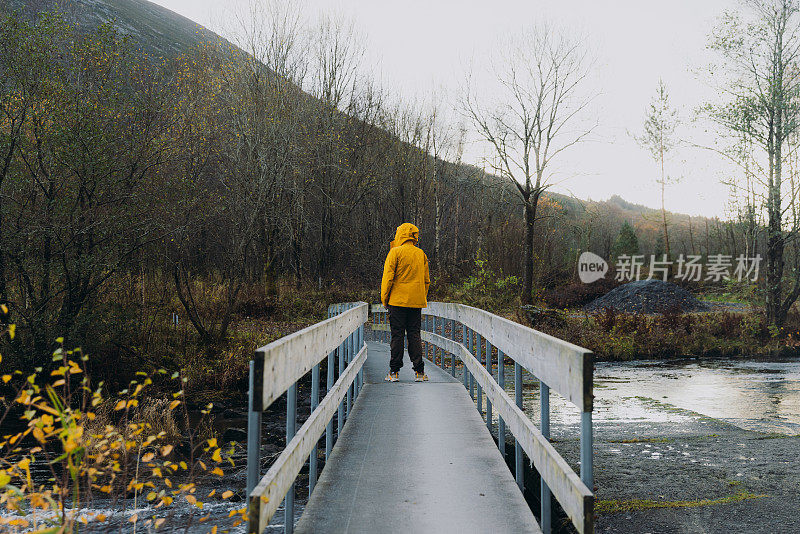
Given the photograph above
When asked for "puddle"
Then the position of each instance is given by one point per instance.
(762, 396)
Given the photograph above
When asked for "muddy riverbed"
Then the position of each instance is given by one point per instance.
(691, 447)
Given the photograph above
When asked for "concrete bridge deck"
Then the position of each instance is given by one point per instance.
(415, 458)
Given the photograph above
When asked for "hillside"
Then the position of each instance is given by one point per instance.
(164, 33)
(477, 211)
(159, 31)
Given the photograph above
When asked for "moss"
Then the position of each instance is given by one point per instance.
(605, 507)
(774, 436)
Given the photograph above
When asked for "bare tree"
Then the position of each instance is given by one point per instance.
(762, 56)
(438, 148)
(659, 138)
(533, 116)
(260, 126)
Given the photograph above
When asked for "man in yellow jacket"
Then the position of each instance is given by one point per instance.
(404, 292)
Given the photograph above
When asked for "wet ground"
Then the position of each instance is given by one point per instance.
(695, 447)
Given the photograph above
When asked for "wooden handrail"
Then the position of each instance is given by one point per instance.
(284, 361)
(575, 498)
(270, 491)
(566, 368)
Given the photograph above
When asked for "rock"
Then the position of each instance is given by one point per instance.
(231, 413)
(234, 434)
(648, 296)
(537, 316)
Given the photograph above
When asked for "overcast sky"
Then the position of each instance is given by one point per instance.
(422, 45)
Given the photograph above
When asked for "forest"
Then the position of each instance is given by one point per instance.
(165, 210)
(154, 205)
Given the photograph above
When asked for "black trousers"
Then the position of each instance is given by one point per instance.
(406, 321)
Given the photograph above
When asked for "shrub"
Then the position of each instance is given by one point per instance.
(577, 295)
(118, 447)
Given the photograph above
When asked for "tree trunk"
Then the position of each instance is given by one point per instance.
(437, 247)
(530, 218)
(455, 230)
(774, 237)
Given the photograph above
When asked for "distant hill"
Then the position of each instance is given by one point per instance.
(163, 33)
(159, 31)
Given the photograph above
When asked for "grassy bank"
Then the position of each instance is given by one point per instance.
(620, 336)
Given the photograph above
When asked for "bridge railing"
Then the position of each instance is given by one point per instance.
(275, 370)
(558, 365)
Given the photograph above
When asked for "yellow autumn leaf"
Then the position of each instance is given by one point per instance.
(227, 495)
(217, 471)
(217, 457)
(120, 405)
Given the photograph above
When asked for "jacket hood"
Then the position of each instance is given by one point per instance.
(405, 232)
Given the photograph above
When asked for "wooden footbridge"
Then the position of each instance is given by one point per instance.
(419, 457)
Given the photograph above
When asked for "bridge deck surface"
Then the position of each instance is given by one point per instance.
(415, 457)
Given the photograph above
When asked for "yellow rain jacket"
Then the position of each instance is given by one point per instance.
(405, 274)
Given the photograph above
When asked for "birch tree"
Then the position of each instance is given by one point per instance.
(659, 138)
(761, 55)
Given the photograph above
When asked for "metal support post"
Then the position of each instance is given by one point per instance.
(520, 475)
(291, 420)
(546, 500)
(501, 425)
(491, 374)
(312, 460)
(478, 354)
(587, 444)
(253, 437)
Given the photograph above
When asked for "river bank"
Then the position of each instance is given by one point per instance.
(726, 331)
(708, 447)
(701, 475)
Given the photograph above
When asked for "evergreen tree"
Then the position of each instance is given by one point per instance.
(627, 242)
